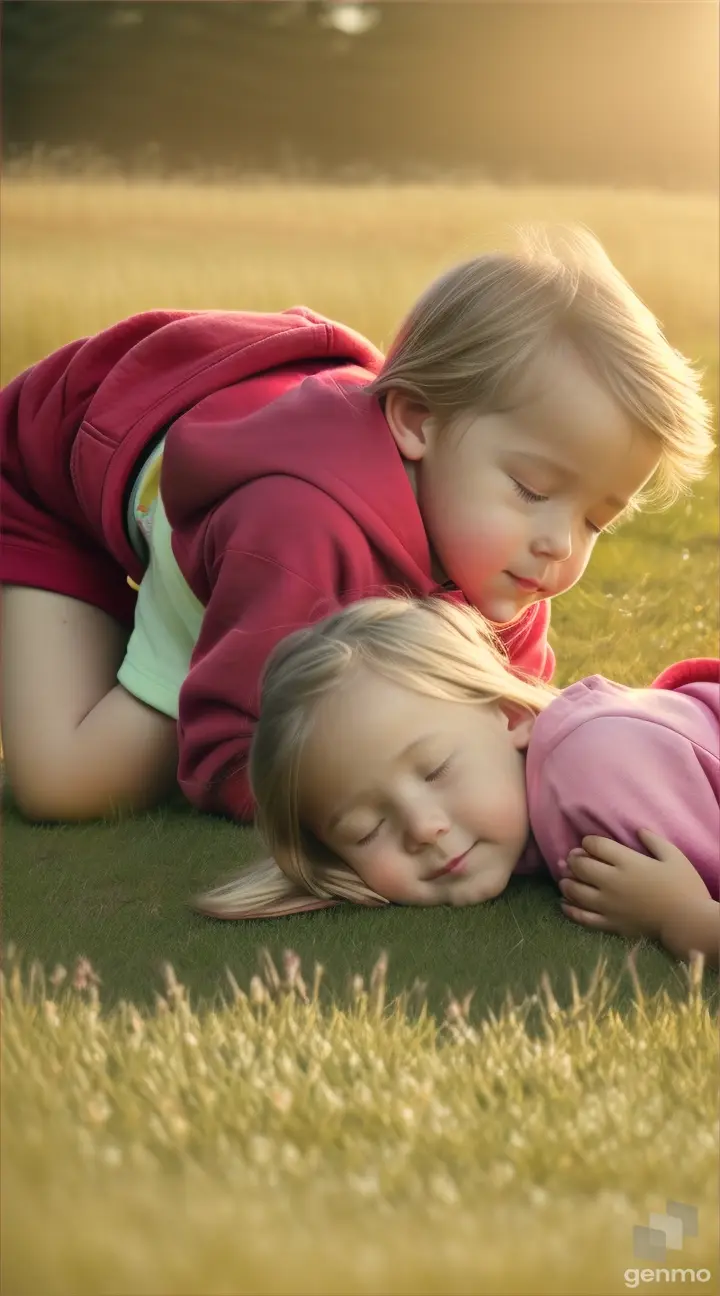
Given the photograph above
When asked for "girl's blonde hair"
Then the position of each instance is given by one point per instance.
(434, 646)
(468, 342)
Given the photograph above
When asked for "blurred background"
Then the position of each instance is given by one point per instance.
(582, 91)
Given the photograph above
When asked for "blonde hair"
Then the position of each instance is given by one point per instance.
(468, 342)
(434, 646)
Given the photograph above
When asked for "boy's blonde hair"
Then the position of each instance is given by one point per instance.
(434, 646)
(468, 342)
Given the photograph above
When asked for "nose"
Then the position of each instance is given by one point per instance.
(424, 824)
(555, 540)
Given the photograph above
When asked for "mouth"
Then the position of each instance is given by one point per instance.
(529, 586)
(453, 866)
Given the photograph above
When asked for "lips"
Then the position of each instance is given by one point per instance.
(451, 866)
(531, 586)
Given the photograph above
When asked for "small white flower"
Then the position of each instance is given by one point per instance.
(112, 1156)
(367, 1184)
(444, 1189)
(261, 1149)
(282, 1099)
(538, 1196)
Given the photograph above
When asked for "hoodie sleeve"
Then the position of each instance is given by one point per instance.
(615, 774)
(263, 586)
(49, 499)
(60, 387)
(526, 642)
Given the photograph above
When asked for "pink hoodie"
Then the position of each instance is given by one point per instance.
(608, 760)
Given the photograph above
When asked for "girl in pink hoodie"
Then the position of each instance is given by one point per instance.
(399, 760)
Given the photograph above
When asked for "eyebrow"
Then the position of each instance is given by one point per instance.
(350, 805)
(546, 462)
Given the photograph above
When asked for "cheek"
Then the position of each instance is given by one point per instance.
(519, 820)
(484, 528)
(380, 871)
(502, 525)
(511, 820)
(503, 812)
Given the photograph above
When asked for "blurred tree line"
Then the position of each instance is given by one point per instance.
(587, 90)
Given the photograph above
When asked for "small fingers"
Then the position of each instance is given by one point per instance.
(583, 866)
(579, 893)
(586, 918)
(658, 846)
(608, 851)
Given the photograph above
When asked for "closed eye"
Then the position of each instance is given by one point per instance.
(365, 841)
(525, 493)
(437, 773)
(609, 526)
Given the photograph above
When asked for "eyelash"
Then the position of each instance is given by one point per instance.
(429, 778)
(437, 773)
(533, 498)
(365, 841)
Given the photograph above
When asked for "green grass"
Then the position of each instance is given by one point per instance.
(128, 1149)
(118, 894)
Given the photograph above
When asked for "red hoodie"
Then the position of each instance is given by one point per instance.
(282, 483)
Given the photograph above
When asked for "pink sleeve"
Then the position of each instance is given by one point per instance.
(615, 774)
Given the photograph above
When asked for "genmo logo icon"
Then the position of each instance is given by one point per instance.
(664, 1233)
(661, 1234)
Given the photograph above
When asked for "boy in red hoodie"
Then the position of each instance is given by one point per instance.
(251, 473)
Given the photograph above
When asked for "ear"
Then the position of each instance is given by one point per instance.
(520, 723)
(411, 424)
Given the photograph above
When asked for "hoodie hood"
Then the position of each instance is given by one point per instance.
(162, 365)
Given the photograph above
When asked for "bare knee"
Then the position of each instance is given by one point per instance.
(70, 792)
(42, 800)
(51, 786)
(122, 759)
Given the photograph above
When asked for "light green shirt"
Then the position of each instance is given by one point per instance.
(168, 618)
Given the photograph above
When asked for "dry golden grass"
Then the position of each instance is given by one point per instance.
(79, 254)
(278, 1148)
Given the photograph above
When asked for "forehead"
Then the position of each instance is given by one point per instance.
(368, 715)
(562, 397)
(359, 731)
(568, 415)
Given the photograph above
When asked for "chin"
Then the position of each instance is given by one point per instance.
(500, 611)
(498, 889)
(461, 899)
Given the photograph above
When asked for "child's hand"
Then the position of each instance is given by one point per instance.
(611, 888)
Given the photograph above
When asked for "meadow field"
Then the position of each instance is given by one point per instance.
(492, 1110)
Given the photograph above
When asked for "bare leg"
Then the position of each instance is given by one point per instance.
(77, 745)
